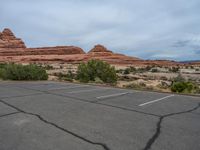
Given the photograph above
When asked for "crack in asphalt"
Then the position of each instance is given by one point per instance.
(104, 146)
(152, 140)
(13, 113)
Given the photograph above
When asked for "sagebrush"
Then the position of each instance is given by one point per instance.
(22, 72)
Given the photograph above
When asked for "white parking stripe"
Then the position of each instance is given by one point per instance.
(82, 91)
(68, 87)
(150, 102)
(113, 95)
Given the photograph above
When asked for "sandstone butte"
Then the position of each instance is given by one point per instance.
(13, 49)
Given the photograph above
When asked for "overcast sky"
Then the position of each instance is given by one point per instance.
(150, 29)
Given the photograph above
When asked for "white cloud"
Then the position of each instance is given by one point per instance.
(145, 28)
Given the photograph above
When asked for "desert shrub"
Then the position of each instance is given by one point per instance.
(67, 77)
(70, 75)
(20, 72)
(120, 71)
(163, 78)
(148, 68)
(133, 69)
(141, 70)
(127, 71)
(98, 80)
(96, 68)
(125, 78)
(133, 86)
(60, 75)
(2, 65)
(136, 86)
(2, 72)
(185, 87)
(174, 69)
(154, 70)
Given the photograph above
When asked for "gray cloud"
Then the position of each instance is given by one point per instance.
(151, 29)
(197, 52)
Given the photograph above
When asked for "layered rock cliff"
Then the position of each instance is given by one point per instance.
(13, 49)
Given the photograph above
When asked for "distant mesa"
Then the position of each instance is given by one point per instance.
(12, 46)
(13, 49)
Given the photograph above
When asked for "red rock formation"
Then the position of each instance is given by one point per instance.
(12, 46)
(13, 49)
(102, 53)
(100, 49)
(8, 40)
(59, 50)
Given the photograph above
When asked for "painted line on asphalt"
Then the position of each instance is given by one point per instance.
(112, 95)
(65, 88)
(157, 100)
(83, 91)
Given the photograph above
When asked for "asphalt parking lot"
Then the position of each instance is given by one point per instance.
(65, 116)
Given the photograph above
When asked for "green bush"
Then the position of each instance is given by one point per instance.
(133, 69)
(185, 87)
(2, 65)
(120, 71)
(20, 72)
(96, 68)
(174, 69)
(154, 70)
(127, 71)
(2, 72)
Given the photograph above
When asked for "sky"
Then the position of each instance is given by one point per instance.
(149, 29)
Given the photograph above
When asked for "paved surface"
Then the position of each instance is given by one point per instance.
(60, 116)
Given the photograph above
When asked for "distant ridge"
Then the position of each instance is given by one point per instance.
(189, 61)
(13, 49)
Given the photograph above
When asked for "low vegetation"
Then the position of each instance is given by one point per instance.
(139, 86)
(22, 72)
(180, 85)
(66, 77)
(158, 78)
(185, 87)
(96, 71)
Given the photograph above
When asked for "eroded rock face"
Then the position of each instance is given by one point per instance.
(8, 40)
(99, 49)
(13, 49)
(58, 50)
(12, 46)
